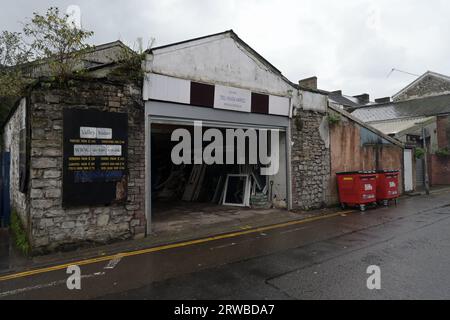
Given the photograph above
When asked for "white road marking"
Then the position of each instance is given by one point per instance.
(224, 246)
(46, 285)
(113, 263)
(292, 230)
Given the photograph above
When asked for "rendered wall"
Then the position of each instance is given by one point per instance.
(348, 154)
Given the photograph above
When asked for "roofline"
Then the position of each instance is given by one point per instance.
(399, 119)
(439, 75)
(403, 101)
(426, 121)
(367, 126)
(91, 49)
(418, 125)
(110, 44)
(234, 36)
(408, 117)
(188, 40)
(320, 91)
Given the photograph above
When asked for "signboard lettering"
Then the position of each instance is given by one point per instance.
(104, 133)
(88, 133)
(95, 156)
(232, 99)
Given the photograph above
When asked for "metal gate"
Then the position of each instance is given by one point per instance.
(5, 205)
(420, 173)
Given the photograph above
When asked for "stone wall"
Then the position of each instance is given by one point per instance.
(52, 225)
(310, 163)
(429, 86)
(11, 143)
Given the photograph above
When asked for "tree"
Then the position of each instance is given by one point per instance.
(48, 45)
(57, 41)
(13, 52)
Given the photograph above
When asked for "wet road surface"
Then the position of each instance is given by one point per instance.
(324, 259)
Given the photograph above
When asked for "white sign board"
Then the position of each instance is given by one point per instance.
(104, 133)
(88, 133)
(232, 99)
(114, 151)
(95, 133)
(97, 150)
(81, 150)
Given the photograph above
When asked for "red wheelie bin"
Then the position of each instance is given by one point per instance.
(387, 186)
(357, 188)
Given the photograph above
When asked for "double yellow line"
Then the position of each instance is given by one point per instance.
(164, 247)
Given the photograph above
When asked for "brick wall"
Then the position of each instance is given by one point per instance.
(52, 225)
(439, 170)
(443, 131)
(439, 166)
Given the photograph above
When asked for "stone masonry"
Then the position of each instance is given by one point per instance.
(53, 226)
(430, 86)
(310, 160)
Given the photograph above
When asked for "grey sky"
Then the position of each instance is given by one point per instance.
(350, 45)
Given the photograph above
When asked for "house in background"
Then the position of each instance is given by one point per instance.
(427, 85)
(349, 103)
(421, 109)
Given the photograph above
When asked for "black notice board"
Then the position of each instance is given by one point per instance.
(95, 156)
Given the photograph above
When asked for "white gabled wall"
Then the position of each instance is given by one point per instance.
(221, 60)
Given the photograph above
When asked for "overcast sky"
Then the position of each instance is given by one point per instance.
(348, 44)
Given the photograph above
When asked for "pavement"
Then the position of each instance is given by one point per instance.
(204, 224)
(316, 258)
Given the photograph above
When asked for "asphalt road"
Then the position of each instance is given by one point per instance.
(324, 259)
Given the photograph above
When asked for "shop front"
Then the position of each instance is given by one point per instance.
(213, 148)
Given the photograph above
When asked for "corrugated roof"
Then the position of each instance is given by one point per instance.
(400, 125)
(431, 106)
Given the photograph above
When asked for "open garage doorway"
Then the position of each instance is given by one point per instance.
(192, 196)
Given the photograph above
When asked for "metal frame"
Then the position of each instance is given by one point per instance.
(246, 190)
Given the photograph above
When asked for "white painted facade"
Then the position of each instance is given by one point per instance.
(236, 71)
(203, 61)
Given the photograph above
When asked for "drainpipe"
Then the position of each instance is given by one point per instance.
(427, 180)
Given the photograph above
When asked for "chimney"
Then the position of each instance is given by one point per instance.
(363, 98)
(309, 83)
(383, 100)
